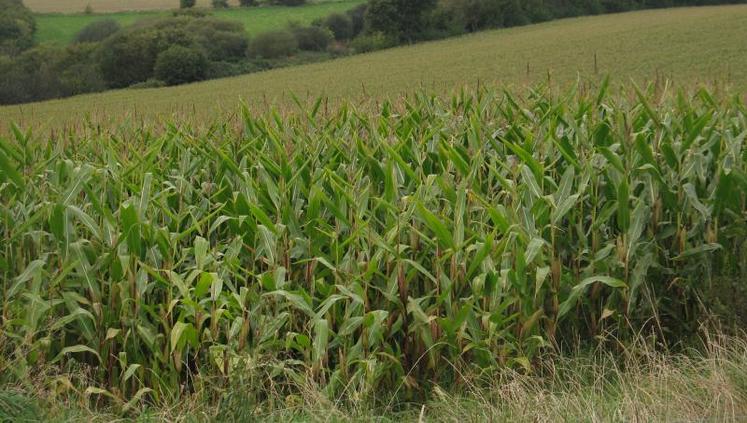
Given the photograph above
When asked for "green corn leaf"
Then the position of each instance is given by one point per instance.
(131, 229)
(566, 204)
(436, 226)
(136, 399)
(267, 243)
(480, 256)
(579, 289)
(76, 349)
(623, 206)
(539, 279)
(33, 271)
(321, 340)
(262, 217)
(296, 300)
(534, 165)
(179, 334)
(7, 170)
(130, 372)
(530, 182)
(613, 158)
(201, 252)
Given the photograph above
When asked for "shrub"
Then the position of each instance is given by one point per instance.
(341, 26)
(17, 27)
(129, 56)
(220, 4)
(191, 13)
(272, 45)
(224, 45)
(227, 69)
(151, 83)
(339, 49)
(312, 38)
(78, 70)
(179, 65)
(221, 40)
(45, 72)
(402, 19)
(186, 4)
(248, 3)
(372, 42)
(11, 91)
(382, 16)
(289, 2)
(97, 31)
(358, 18)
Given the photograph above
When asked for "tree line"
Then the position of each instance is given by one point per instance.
(413, 20)
(188, 46)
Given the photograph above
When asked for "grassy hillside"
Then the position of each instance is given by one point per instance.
(61, 28)
(686, 45)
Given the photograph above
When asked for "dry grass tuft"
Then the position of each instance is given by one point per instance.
(642, 385)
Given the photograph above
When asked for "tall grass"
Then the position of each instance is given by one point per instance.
(367, 253)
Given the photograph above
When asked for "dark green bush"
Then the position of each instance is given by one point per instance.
(97, 31)
(186, 4)
(191, 13)
(129, 56)
(401, 19)
(358, 18)
(228, 69)
(248, 3)
(372, 42)
(339, 49)
(78, 71)
(288, 2)
(179, 65)
(10, 90)
(272, 45)
(46, 72)
(312, 38)
(220, 4)
(151, 83)
(225, 45)
(17, 27)
(341, 26)
(473, 15)
(222, 40)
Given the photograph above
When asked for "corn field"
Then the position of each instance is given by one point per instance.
(369, 251)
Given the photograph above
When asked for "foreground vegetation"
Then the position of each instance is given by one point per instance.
(707, 384)
(373, 255)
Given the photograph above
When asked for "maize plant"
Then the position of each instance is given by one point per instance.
(367, 250)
